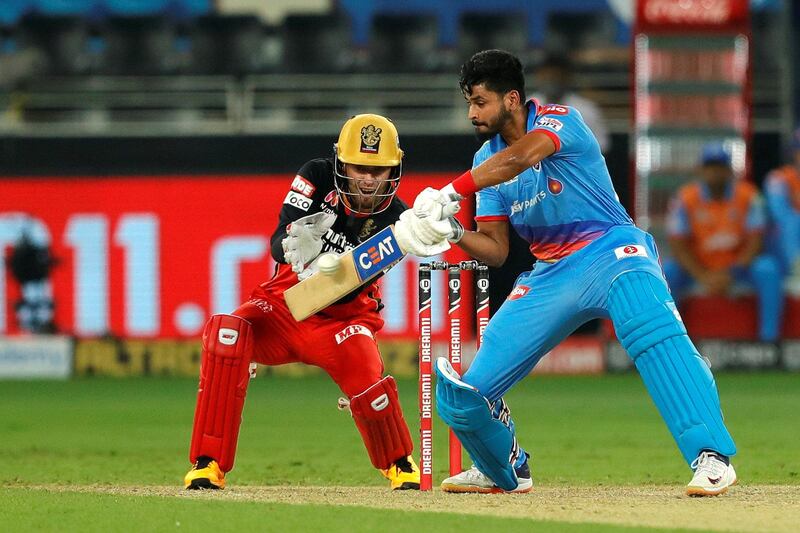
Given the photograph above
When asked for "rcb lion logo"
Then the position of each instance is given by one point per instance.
(366, 229)
(370, 139)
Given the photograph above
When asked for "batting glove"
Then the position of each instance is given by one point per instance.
(406, 231)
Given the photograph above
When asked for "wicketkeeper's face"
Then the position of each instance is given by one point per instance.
(368, 185)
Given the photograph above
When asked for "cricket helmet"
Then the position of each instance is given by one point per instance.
(367, 140)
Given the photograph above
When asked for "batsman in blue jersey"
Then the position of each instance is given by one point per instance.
(541, 173)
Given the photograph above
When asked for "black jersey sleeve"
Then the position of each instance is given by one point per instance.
(302, 199)
(396, 209)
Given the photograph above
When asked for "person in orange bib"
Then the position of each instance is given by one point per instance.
(716, 231)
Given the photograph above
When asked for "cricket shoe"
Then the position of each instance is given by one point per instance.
(205, 474)
(473, 480)
(712, 476)
(403, 474)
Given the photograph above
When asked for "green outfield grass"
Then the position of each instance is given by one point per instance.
(587, 431)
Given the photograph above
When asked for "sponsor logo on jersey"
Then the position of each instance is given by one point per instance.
(332, 199)
(370, 139)
(518, 292)
(554, 109)
(333, 241)
(554, 186)
(377, 253)
(518, 206)
(262, 304)
(303, 186)
(550, 122)
(298, 200)
(631, 250)
(353, 329)
(228, 336)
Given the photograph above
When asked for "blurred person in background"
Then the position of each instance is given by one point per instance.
(782, 192)
(332, 205)
(555, 84)
(716, 228)
(30, 263)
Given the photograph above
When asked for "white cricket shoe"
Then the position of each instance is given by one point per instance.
(712, 476)
(473, 480)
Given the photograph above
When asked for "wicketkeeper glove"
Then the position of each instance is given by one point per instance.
(303, 241)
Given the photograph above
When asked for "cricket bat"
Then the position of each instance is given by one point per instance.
(356, 267)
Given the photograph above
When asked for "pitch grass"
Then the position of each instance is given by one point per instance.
(582, 431)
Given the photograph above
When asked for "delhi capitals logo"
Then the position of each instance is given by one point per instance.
(554, 186)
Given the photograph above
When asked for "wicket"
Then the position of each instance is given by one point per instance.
(454, 351)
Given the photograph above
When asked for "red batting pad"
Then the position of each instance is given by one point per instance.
(224, 376)
(380, 421)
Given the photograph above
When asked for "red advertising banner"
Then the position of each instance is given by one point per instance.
(155, 256)
(690, 14)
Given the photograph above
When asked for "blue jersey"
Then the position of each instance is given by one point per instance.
(565, 201)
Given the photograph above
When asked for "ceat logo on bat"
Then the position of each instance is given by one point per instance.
(303, 186)
(376, 253)
(518, 292)
(554, 186)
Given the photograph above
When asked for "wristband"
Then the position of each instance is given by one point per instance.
(465, 184)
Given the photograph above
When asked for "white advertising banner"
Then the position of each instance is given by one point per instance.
(35, 357)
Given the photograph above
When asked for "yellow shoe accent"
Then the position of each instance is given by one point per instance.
(403, 475)
(210, 477)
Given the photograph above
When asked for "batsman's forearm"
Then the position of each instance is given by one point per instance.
(483, 248)
(504, 165)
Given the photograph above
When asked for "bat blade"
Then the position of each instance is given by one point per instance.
(357, 267)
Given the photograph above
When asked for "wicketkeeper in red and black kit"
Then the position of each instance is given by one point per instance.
(333, 205)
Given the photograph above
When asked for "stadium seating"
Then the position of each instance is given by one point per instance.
(449, 12)
(316, 43)
(66, 8)
(404, 43)
(11, 11)
(480, 31)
